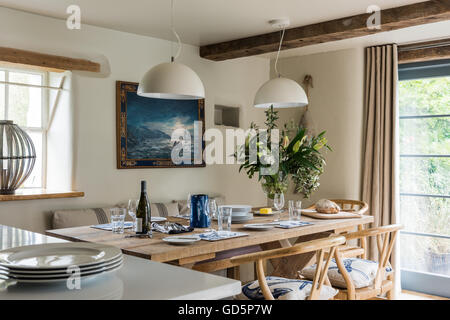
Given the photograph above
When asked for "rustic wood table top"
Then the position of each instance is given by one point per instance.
(158, 250)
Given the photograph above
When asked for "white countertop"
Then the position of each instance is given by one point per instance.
(137, 279)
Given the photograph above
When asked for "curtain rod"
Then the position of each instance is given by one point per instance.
(424, 45)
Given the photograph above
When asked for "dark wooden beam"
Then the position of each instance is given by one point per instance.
(339, 29)
(50, 62)
(425, 51)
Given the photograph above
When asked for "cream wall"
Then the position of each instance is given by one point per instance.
(126, 57)
(336, 105)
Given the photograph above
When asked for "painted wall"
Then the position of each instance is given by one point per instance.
(336, 105)
(126, 57)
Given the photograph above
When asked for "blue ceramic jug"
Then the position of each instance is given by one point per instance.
(199, 211)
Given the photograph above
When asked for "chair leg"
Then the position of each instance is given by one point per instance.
(391, 294)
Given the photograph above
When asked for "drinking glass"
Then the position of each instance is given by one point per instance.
(224, 219)
(212, 208)
(298, 210)
(291, 210)
(278, 202)
(132, 207)
(118, 219)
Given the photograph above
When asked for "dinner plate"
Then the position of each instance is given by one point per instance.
(64, 275)
(158, 219)
(60, 279)
(259, 226)
(52, 256)
(6, 271)
(181, 240)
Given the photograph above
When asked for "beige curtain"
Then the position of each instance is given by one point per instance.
(379, 175)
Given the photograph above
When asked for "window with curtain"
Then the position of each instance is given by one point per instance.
(424, 109)
(24, 101)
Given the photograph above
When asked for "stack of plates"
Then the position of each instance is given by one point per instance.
(240, 213)
(57, 261)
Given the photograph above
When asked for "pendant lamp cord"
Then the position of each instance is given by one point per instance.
(278, 53)
(176, 35)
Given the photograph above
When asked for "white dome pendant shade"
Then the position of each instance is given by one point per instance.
(281, 93)
(171, 80)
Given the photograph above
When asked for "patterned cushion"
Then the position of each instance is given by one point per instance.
(164, 209)
(284, 289)
(80, 217)
(160, 209)
(362, 272)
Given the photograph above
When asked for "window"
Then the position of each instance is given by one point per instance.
(424, 109)
(24, 101)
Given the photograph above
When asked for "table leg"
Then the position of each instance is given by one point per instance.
(234, 273)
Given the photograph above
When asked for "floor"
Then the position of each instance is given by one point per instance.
(411, 295)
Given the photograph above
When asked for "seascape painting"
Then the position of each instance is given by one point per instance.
(146, 126)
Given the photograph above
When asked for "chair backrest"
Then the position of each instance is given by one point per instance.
(355, 206)
(385, 237)
(319, 245)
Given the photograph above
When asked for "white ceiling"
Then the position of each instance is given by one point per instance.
(201, 22)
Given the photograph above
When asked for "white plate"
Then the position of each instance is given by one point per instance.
(259, 227)
(52, 256)
(63, 275)
(158, 219)
(41, 272)
(181, 240)
(60, 279)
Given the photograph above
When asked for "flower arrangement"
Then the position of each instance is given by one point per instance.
(299, 157)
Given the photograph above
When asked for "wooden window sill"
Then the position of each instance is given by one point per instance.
(36, 194)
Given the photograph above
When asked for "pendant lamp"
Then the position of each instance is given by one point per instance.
(172, 80)
(280, 92)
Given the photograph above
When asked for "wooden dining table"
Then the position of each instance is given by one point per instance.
(208, 256)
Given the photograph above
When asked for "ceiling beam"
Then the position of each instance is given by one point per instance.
(339, 29)
(46, 61)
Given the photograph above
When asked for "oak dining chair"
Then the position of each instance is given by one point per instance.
(266, 287)
(358, 207)
(361, 279)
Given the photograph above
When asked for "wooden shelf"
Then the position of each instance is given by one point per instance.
(36, 194)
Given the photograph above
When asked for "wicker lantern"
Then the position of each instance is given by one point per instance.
(17, 157)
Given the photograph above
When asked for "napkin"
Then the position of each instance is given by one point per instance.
(171, 228)
(293, 224)
(221, 235)
(108, 226)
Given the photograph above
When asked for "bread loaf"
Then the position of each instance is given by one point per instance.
(327, 206)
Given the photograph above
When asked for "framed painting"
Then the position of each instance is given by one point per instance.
(146, 126)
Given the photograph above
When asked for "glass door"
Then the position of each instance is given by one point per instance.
(424, 109)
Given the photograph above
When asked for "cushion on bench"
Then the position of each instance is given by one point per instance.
(284, 289)
(87, 217)
(80, 217)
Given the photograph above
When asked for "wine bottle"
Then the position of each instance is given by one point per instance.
(143, 212)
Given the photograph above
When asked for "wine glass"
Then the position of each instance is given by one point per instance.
(189, 201)
(278, 202)
(212, 208)
(132, 207)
